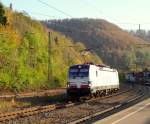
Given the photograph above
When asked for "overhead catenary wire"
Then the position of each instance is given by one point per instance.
(117, 23)
(71, 29)
(75, 28)
(41, 14)
(92, 5)
(52, 7)
(98, 10)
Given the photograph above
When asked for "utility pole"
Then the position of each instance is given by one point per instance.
(49, 58)
(139, 27)
(11, 7)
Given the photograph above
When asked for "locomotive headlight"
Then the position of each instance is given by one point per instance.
(90, 84)
(68, 84)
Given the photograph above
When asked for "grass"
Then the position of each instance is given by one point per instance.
(26, 102)
(7, 106)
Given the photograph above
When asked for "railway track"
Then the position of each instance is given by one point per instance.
(101, 114)
(89, 108)
(37, 110)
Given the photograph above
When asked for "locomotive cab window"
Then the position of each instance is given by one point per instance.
(76, 71)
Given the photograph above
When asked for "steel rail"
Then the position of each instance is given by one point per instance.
(138, 96)
(37, 110)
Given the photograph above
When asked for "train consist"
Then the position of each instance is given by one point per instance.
(142, 77)
(90, 79)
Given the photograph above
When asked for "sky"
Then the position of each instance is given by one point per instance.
(127, 14)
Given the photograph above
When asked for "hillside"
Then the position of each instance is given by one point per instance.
(115, 46)
(24, 54)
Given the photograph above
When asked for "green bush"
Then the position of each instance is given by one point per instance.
(24, 56)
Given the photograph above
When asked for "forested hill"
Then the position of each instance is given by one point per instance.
(24, 54)
(116, 47)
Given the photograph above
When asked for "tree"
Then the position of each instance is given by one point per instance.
(3, 18)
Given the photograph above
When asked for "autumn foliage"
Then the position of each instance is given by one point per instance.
(24, 55)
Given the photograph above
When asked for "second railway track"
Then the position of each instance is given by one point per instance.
(109, 111)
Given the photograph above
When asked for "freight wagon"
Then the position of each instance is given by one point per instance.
(90, 79)
(142, 77)
(130, 77)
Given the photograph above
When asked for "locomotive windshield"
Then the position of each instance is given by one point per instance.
(79, 71)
